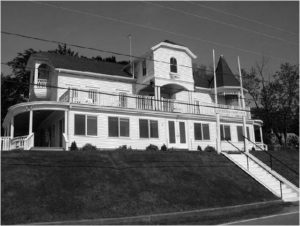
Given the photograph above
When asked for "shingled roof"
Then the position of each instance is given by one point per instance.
(202, 78)
(224, 75)
(83, 64)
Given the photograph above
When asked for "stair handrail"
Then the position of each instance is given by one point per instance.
(247, 156)
(271, 156)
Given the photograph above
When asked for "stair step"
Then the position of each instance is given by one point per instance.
(47, 149)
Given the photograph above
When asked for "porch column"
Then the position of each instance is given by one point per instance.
(261, 135)
(36, 72)
(12, 128)
(218, 133)
(66, 123)
(30, 121)
(245, 134)
(155, 97)
(239, 99)
(159, 99)
(190, 102)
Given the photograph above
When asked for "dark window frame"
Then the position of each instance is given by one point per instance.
(85, 125)
(173, 65)
(223, 132)
(149, 134)
(202, 135)
(118, 119)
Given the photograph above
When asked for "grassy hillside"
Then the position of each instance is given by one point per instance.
(51, 186)
(289, 157)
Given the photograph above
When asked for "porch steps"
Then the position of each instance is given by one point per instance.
(47, 149)
(265, 175)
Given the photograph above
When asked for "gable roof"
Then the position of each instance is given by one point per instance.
(171, 42)
(82, 64)
(224, 75)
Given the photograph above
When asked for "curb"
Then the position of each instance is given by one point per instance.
(155, 218)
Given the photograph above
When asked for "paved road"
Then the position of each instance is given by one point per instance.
(289, 216)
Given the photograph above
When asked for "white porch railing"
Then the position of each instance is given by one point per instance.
(18, 142)
(21, 142)
(42, 83)
(29, 142)
(65, 141)
(5, 143)
(150, 103)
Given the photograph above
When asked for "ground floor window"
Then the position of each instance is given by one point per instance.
(118, 127)
(240, 133)
(225, 132)
(148, 128)
(201, 131)
(257, 134)
(85, 125)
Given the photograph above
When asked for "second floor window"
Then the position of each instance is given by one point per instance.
(144, 67)
(173, 65)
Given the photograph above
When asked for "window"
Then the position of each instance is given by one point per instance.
(172, 132)
(257, 134)
(225, 132)
(85, 125)
(182, 132)
(201, 131)
(92, 125)
(118, 127)
(240, 133)
(153, 129)
(148, 128)
(173, 65)
(144, 67)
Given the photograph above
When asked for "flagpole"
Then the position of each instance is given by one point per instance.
(243, 106)
(218, 134)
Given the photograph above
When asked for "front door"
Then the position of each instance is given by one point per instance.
(177, 134)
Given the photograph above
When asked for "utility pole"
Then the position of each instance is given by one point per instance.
(243, 106)
(218, 134)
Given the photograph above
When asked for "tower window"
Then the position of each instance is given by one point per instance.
(173, 65)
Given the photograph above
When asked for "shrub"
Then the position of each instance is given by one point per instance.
(89, 147)
(152, 147)
(74, 146)
(199, 148)
(122, 148)
(209, 149)
(164, 148)
(293, 141)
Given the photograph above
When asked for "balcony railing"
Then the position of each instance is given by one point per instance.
(131, 101)
(42, 83)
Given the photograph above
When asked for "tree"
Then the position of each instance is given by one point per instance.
(276, 99)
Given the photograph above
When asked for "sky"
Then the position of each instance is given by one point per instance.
(249, 29)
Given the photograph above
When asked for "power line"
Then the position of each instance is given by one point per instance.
(128, 96)
(95, 49)
(241, 17)
(156, 29)
(220, 22)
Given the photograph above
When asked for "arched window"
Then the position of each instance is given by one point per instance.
(44, 71)
(173, 65)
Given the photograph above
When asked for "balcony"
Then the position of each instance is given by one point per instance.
(41, 90)
(141, 102)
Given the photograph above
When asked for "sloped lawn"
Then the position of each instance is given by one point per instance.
(51, 186)
(290, 157)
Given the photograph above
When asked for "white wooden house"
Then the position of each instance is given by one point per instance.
(155, 100)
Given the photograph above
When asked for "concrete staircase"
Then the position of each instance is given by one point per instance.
(277, 184)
